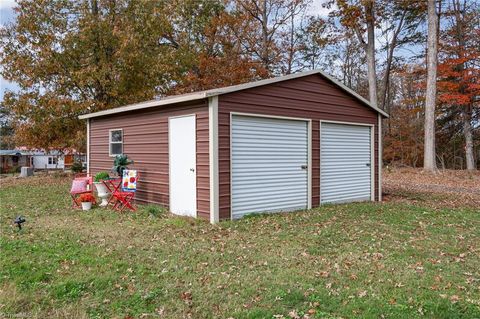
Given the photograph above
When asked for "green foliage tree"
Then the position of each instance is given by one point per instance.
(71, 57)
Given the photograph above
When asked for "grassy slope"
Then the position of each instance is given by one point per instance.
(358, 260)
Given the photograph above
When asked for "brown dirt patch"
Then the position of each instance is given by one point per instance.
(447, 189)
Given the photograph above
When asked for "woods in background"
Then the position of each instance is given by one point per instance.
(73, 57)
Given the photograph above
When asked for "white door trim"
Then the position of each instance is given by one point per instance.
(88, 147)
(213, 158)
(372, 154)
(170, 166)
(309, 151)
(380, 157)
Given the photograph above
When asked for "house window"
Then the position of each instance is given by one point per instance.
(116, 142)
(52, 160)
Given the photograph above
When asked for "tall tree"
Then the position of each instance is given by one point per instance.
(359, 15)
(313, 40)
(459, 70)
(218, 57)
(429, 156)
(400, 28)
(70, 57)
(262, 26)
(403, 142)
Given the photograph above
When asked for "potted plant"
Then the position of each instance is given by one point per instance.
(120, 164)
(87, 200)
(102, 190)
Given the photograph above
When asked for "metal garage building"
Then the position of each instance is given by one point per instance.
(281, 144)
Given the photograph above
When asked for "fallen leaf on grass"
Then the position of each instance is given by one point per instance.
(187, 297)
(454, 298)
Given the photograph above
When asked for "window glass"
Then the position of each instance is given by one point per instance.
(116, 142)
(116, 149)
(116, 136)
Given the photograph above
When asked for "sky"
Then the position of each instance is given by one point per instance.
(8, 15)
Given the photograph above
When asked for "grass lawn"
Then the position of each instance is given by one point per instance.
(398, 259)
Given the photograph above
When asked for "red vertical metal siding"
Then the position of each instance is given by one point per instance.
(311, 97)
(145, 140)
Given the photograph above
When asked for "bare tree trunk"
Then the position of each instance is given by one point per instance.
(372, 73)
(467, 133)
(369, 47)
(429, 160)
(386, 79)
(266, 43)
(467, 109)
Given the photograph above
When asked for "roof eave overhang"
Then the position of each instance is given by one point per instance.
(145, 105)
(227, 90)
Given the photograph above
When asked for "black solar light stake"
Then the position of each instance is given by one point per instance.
(19, 221)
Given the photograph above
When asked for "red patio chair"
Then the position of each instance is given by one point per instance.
(125, 196)
(80, 185)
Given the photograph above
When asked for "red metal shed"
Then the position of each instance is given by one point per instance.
(281, 144)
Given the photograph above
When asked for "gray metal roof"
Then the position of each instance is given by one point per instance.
(225, 90)
(14, 152)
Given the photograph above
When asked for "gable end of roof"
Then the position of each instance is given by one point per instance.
(226, 90)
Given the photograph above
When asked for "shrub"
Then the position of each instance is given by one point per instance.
(120, 163)
(87, 198)
(15, 169)
(77, 167)
(100, 176)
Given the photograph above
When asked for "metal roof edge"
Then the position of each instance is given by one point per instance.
(225, 90)
(147, 104)
(352, 92)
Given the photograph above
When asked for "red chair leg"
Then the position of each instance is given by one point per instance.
(128, 202)
(75, 203)
(124, 201)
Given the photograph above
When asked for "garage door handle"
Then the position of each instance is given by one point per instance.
(304, 166)
(192, 170)
(368, 164)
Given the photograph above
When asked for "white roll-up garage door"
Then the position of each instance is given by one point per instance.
(269, 165)
(345, 163)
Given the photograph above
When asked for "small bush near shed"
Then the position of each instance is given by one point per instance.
(15, 169)
(77, 167)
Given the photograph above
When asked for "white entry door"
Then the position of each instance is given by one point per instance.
(182, 161)
(346, 163)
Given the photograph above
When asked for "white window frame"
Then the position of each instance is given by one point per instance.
(52, 160)
(110, 142)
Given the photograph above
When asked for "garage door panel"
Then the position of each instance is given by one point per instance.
(267, 159)
(345, 163)
(278, 189)
(266, 206)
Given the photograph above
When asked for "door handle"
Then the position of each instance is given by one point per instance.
(368, 164)
(304, 166)
(192, 170)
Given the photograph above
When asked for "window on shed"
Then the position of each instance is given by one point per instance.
(116, 142)
(52, 160)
